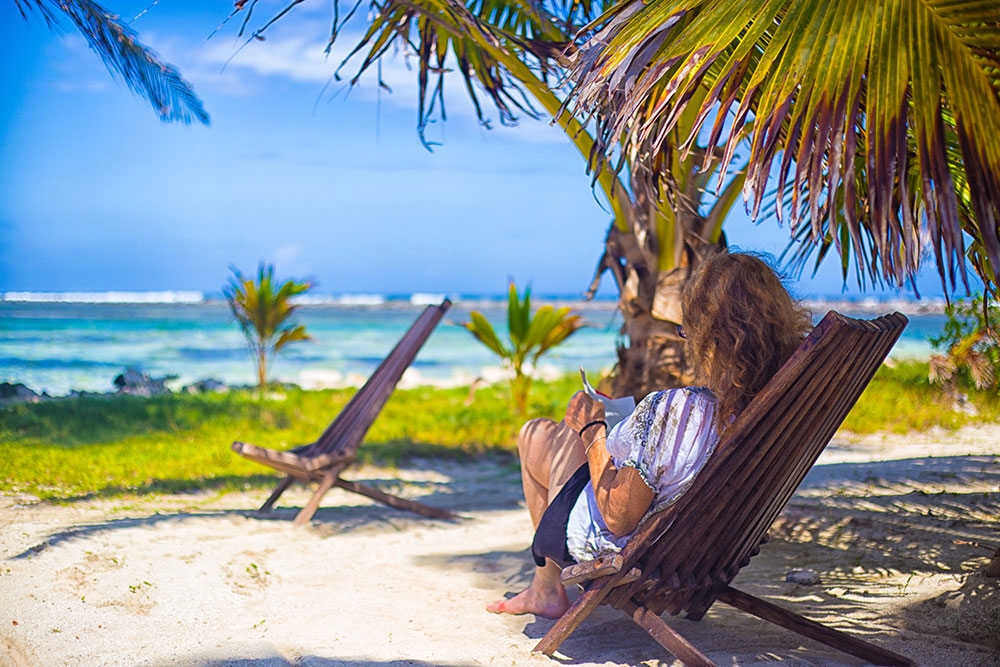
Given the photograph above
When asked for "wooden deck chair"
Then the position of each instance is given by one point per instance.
(683, 558)
(323, 461)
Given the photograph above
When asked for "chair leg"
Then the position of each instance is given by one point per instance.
(307, 512)
(668, 638)
(803, 626)
(573, 617)
(281, 488)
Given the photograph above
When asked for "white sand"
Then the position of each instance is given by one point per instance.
(899, 541)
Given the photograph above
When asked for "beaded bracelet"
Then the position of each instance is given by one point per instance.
(593, 423)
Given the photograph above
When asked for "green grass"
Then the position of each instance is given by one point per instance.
(118, 445)
(900, 400)
(121, 445)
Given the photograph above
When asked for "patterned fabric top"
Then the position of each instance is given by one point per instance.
(667, 439)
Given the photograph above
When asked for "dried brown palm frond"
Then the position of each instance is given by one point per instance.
(980, 369)
(940, 369)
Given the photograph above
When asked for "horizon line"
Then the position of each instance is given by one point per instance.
(372, 299)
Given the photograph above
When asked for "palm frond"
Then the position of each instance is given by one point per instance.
(481, 41)
(481, 328)
(880, 117)
(124, 55)
(290, 334)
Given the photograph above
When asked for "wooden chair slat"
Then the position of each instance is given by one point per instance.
(820, 423)
(778, 480)
(671, 551)
(323, 460)
(360, 412)
(741, 474)
(591, 569)
(823, 430)
(786, 477)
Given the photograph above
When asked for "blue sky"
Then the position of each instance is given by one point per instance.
(329, 184)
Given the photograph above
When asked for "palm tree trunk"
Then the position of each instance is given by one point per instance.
(651, 355)
(261, 368)
(654, 357)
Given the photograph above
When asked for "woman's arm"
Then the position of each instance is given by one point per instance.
(622, 496)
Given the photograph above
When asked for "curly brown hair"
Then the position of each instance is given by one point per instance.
(742, 325)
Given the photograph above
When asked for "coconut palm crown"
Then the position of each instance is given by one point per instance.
(880, 118)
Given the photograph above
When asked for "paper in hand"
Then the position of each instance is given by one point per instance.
(615, 409)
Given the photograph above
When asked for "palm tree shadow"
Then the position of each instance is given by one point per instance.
(945, 471)
(867, 528)
(970, 613)
(894, 522)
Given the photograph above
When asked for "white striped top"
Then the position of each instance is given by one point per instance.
(667, 438)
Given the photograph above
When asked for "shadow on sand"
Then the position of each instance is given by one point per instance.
(867, 529)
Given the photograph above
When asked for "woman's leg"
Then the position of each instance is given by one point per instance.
(550, 453)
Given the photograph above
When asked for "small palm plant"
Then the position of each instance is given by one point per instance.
(264, 312)
(530, 338)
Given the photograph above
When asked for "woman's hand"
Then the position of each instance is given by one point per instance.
(582, 410)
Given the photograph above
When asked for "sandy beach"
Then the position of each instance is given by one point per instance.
(897, 528)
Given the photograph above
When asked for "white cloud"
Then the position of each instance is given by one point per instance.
(294, 58)
(84, 85)
(294, 50)
(303, 59)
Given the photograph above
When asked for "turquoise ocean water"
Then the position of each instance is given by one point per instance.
(57, 346)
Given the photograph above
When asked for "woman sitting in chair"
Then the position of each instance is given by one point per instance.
(587, 487)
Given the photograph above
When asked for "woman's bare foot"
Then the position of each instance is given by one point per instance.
(550, 603)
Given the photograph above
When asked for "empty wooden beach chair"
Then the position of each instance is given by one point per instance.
(682, 559)
(323, 461)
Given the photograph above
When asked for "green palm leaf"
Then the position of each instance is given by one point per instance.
(518, 315)
(874, 115)
(486, 39)
(483, 331)
(563, 325)
(541, 324)
(290, 335)
(161, 84)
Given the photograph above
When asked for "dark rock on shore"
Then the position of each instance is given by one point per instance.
(137, 383)
(132, 382)
(19, 393)
(207, 386)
